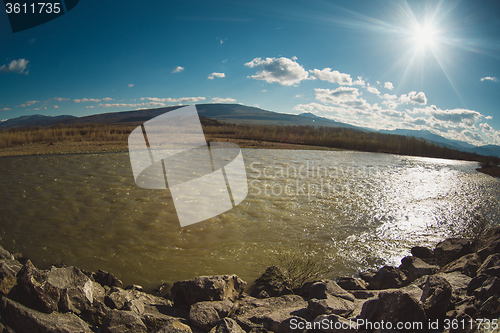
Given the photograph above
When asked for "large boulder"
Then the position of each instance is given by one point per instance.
(59, 289)
(490, 287)
(123, 322)
(326, 297)
(272, 283)
(436, 297)
(276, 314)
(388, 277)
(416, 267)
(467, 265)
(394, 307)
(351, 283)
(107, 279)
(23, 319)
(206, 315)
(227, 325)
(489, 243)
(490, 264)
(422, 252)
(452, 249)
(174, 327)
(4, 254)
(207, 288)
(8, 271)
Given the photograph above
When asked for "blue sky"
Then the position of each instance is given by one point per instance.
(385, 65)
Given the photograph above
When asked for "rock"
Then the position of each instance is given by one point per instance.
(490, 287)
(123, 322)
(416, 268)
(330, 305)
(392, 306)
(458, 282)
(135, 306)
(489, 243)
(322, 289)
(95, 314)
(107, 279)
(206, 315)
(59, 289)
(452, 249)
(273, 314)
(436, 297)
(23, 319)
(272, 283)
(492, 261)
(388, 277)
(227, 325)
(351, 283)
(490, 308)
(467, 265)
(4, 254)
(8, 272)
(366, 276)
(207, 288)
(422, 252)
(134, 287)
(117, 298)
(174, 327)
(466, 306)
(333, 324)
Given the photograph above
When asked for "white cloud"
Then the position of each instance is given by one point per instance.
(414, 98)
(489, 78)
(56, 106)
(60, 99)
(326, 74)
(214, 74)
(4, 109)
(130, 85)
(174, 100)
(107, 99)
(178, 69)
(16, 66)
(373, 90)
(282, 70)
(485, 127)
(389, 97)
(89, 107)
(388, 85)
(337, 96)
(84, 100)
(126, 105)
(223, 100)
(28, 103)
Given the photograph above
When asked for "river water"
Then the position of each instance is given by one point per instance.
(358, 210)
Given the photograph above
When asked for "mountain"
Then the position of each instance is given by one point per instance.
(34, 120)
(488, 150)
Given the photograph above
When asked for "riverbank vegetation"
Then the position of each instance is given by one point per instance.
(332, 137)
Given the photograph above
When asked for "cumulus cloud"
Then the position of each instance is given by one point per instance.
(223, 100)
(16, 66)
(85, 100)
(414, 98)
(56, 106)
(282, 70)
(28, 103)
(373, 90)
(337, 96)
(4, 109)
(326, 74)
(60, 99)
(174, 100)
(489, 78)
(214, 74)
(485, 127)
(178, 69)
(89, 107)
(388, 85)
(107, 99)
(130, 85)
(472, 135)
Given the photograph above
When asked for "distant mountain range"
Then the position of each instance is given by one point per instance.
(239, 114)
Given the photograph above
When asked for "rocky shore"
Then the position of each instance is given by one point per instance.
(453, 288)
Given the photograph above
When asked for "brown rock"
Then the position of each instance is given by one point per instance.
(351, 283)
(207, 288)
(467, 265)
(23, 319)
(436, 297)
(272, 283)
(416, 267)
(333, 324)
(227, 325)
(452, 249)
(118, 321)
(490, 287)
(492, 261)
(489, 243)
(490, 308)
(422, 252)
(393, 306)
(107, 279)
(388, 277)
(174, 327)
(4, 254)
(206, 315)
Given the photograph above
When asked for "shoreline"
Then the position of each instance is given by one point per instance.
(458, 280)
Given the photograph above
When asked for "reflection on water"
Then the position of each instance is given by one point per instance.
(360, 210)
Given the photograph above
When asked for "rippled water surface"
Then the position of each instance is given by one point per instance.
(360, 210)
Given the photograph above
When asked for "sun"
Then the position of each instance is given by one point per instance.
(424, 35)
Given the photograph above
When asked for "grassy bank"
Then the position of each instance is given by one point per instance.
(101, 138)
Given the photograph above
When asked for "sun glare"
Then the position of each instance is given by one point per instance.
(424, 35)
